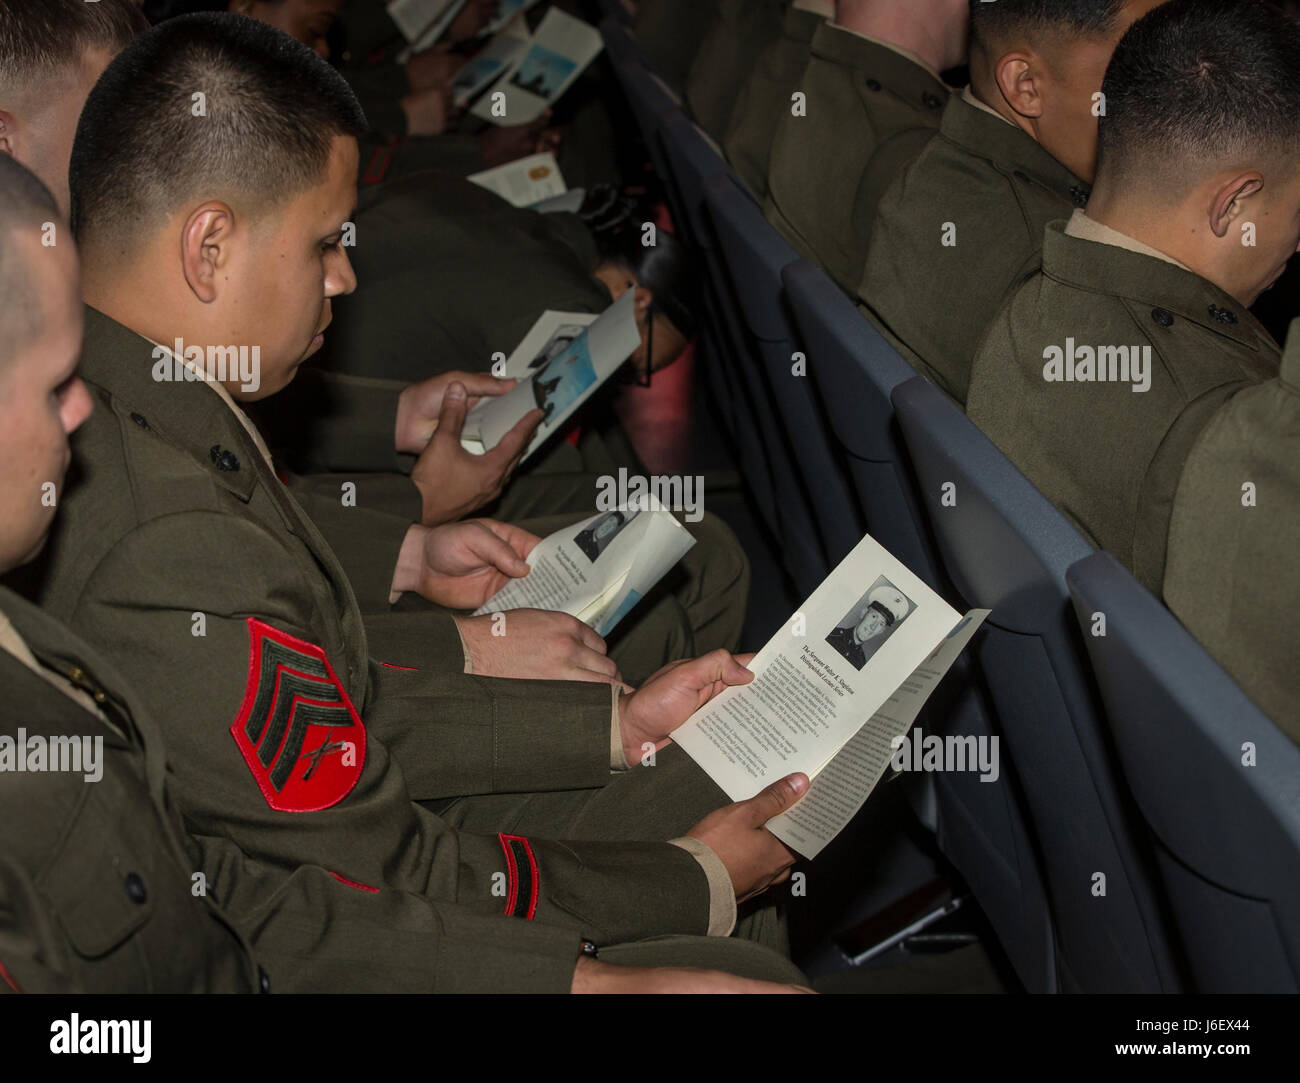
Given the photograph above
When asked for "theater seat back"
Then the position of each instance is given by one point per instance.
(1218, 784)
(1007, 549)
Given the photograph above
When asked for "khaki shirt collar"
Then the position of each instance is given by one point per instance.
(968, 96)
(1089, 229)
(185, 413)
(984, 133)
(895, 70)
(1149, 283)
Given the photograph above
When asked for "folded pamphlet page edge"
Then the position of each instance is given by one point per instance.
(831, 666)
(843, 785)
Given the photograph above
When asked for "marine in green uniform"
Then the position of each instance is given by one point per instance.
(766, 94)
(95, 869)
(1229, 571)
(873, 99)
(102, 890)
(214, 566)
(726, 56)
(1014, 152)
(1103, 368)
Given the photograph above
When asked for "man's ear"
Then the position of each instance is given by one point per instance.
(1017, 78)
(642, 299)
(8, 134)
(207, 245)
(1229, 202)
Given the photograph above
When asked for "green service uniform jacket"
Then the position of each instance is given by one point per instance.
(1105, 454)
(184, 559)
(1230, 574)
(991, 189)
(96, 873)
(669, 33)
(726, 56)
(765, 97)
(870, 111)
(449, 274)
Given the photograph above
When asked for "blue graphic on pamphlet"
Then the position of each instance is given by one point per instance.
(564, 379)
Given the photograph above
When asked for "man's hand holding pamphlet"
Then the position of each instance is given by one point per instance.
(845, 676)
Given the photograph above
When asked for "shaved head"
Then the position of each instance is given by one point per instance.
(26, 207)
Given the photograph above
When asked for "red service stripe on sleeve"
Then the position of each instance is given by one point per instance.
(515, 848)
(408, 669)
(512, 874)
(353, 883)
(8, 978)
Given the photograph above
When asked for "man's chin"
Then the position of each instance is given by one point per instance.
(8, 562)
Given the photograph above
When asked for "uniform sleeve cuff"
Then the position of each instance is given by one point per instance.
(464, 650)
(617, 757)
(722, 894)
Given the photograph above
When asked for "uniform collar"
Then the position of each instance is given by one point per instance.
(184, 413)
(1089, 229)
(1150, 283)
(58, 652)
(968, 96)
(986, 134)
(223, 393)
(900, 73)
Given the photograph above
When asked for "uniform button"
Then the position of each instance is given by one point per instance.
(1163, 317)
(873, 84)
(223, 460)
(75, 674)
(100, 697)
(135, 890)
(139, 420)
(1079, 196)
(1223, 315)
(263, 980)
(931, 101)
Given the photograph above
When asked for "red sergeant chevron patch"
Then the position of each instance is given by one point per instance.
(296, 728)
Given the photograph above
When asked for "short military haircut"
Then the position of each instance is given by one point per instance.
(1002, 22)
(1195, 84)
(39, 38)
(210, 106)
(26, 205)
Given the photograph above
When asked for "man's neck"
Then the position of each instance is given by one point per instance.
(117, 292)
(1156, 228)
(901, 25)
